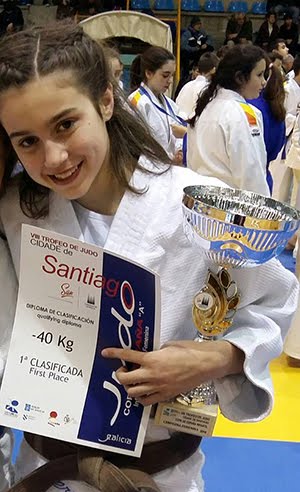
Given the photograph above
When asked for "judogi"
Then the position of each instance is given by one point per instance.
(159, 114)
(292, 104)
(282, 175)
(187, 97)
(148, 229)
(227, 143)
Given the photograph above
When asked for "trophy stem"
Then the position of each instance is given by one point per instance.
(205, 393)
(213, 309)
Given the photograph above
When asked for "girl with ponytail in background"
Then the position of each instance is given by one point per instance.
(225, 137)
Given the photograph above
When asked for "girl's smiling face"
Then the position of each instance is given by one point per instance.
(58, 135)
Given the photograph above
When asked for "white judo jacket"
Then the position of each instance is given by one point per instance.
(159, 123)
(187, 97)
(291, 103)
(293, 156)
(148, 229)
(227, 143)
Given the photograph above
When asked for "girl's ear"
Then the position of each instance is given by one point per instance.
(106, 103)
(240, 79)
(148, 74)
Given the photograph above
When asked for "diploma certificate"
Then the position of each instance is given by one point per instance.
(74, 300)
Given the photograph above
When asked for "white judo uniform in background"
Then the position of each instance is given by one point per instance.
(148, 229)
(228, 143)
(187, 97)
(292, 104)
(159, 123)
(281, 174)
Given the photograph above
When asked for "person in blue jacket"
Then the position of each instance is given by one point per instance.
(194, 42)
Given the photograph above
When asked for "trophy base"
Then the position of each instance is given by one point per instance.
(198, 421)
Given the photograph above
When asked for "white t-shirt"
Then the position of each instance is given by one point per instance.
(95, 227)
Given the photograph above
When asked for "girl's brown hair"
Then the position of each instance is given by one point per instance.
(152, 59)
(233, 70)
(64, 47)
(274, 92)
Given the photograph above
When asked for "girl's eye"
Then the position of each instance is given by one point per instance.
(28, 142)
(66, 125)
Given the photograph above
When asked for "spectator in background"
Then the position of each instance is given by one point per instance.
(238, 30)
(280, 47)
(279, 51)
(11, 17)
(287, 65)
(283, 7)
(268, 32)
(65, 8)
(271, 104)
(289, 32)
(194, 42)
(90, 7)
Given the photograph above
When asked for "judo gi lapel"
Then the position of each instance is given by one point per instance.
(135, 212)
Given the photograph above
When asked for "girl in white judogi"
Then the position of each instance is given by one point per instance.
(225, 137)
(281, 171)
(93, 172)
(152, 75)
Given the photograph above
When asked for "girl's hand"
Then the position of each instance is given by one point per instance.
(177, 367)
(178, 130)
(178, 158)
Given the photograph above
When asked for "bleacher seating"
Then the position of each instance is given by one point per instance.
(164, 5)
(211, 6)
(220, 6)
(233, 6)
(259, 8)
(190, 5)
(140, 4)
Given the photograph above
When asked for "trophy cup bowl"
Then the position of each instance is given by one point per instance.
(234, 229)
(237, 228)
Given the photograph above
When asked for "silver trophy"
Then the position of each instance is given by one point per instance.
(235, 229)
